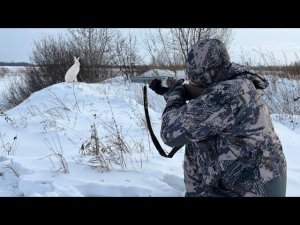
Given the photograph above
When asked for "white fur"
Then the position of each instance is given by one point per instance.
(71, 75)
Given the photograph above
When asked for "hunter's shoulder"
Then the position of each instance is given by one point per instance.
(227, 92)
(228, 87)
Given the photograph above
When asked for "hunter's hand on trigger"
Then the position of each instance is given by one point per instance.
(155, 85)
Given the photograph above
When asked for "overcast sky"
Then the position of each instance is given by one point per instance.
(16, 44)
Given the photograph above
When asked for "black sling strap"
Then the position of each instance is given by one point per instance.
(153, 137)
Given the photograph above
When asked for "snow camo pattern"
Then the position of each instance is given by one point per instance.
(231, 146)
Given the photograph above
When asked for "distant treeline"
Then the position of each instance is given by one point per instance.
(281, 70)
(292, 69)
(15, 64)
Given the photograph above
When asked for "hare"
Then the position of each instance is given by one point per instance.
(71, 75)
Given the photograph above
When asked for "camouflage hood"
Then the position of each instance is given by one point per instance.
(208, 62)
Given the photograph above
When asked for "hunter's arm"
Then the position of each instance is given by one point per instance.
(197, 120)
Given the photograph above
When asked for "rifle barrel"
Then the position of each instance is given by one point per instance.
(146, 80)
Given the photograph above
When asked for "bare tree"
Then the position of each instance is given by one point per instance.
(183, 38)
(93, 45)
(125, 55)
(171, 46)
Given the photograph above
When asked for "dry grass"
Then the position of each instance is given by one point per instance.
(283, 93)
(56, 147)
(3, 71)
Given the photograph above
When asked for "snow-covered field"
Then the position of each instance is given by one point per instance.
(43, 141)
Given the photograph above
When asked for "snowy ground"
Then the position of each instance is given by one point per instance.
(41, 142)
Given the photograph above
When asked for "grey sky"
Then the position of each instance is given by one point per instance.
(283, 43)
(16, 44)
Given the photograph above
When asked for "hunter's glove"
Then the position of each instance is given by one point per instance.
(175, 97)
(177, 91)
(155, 85)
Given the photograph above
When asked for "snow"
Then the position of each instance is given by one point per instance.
(41, 144)
(291, 142)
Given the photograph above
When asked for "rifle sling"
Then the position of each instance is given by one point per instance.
(153, 137)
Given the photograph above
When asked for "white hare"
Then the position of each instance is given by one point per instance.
(71, 75)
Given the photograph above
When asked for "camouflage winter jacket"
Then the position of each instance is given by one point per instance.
(231, 146)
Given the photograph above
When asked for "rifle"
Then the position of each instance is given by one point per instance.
(167, 82)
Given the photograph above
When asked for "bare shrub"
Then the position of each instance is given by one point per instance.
(6, 117)
(16, 93)
(3, 71)
(105, 155)
(110, 152)
(9, 147)
(93, 147)
(56, 148)
(125, 55)
(13, 169)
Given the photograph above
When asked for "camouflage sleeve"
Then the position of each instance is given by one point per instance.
(199, 119)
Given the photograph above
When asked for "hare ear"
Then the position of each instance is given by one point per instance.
(78, 58)
(74, 58)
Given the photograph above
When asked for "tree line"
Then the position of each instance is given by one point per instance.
(15, 64)
(102, 51)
